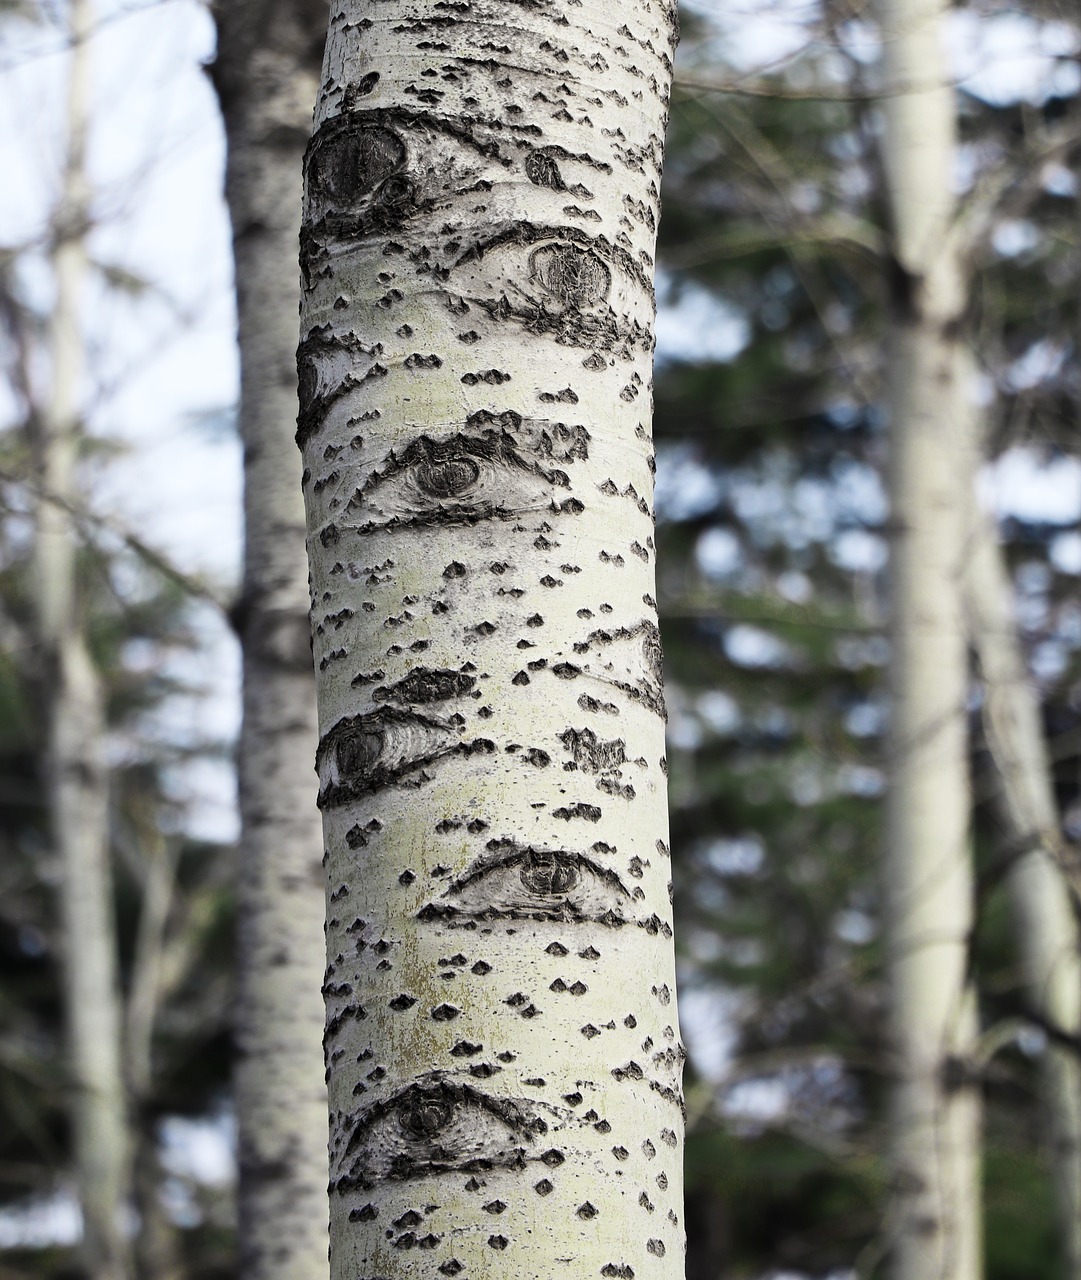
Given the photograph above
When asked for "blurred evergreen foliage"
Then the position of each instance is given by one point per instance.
(772, 533)
(772, 542)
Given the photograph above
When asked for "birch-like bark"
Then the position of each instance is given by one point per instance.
(477, 253)
(928, 878)
(267, 74)
(1045, 928)
(76, 771)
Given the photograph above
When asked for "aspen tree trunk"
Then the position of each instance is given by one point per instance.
(928, 879)
(267, 74)
(1044, 924)
(76, 771)
(477, 253)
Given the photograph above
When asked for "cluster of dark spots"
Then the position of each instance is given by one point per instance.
(490, 377)
(589, 812)
(593, 704)
(617, 1271)
(357, 836)
(614, 788)
(424, 685)
(575, 989)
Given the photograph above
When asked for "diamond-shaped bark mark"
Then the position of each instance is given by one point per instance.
(445, 1013)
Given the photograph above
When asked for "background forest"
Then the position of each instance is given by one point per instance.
(776, 282)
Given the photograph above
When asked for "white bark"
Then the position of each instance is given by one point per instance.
(76, 773)
(267, 76)
(1045, 927)
(502, 1042)
(928, 881)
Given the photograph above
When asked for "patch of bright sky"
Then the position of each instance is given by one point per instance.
(1006, 57)
(163, 360)
(1028, 485)
(695, 325)
(43, 1221)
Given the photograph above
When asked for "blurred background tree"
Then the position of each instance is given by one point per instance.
(776, 280)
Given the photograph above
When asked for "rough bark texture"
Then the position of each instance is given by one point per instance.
(503, 1049)
(1044, 924)
(76, 771)
(267, 74)
(928, 901)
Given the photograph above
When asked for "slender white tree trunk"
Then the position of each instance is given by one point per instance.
(267, 75)
(928, 879)
(76, 772)
(477, 317)
(1045, 927)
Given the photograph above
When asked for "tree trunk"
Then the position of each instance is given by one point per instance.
(76, 772)
(266, 74)
(1044, 924)
(928, 880)
(477, 319)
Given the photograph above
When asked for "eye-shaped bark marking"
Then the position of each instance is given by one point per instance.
(551, 240)
(438, 1126)
(345, 162)
(362, 753)
(425, 685)
(519, 883)
(458, 480)
(574, 277)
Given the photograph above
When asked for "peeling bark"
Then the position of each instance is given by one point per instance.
(476, 339)
(928, 879)
(266, 75)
